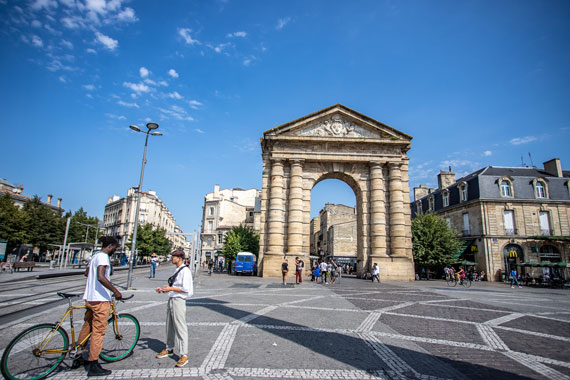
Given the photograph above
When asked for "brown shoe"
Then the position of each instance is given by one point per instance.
(164, 353)
(182, 361)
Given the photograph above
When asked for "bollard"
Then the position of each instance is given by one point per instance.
(51, 265)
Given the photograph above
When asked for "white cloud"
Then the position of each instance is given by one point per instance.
(220, 47)
(150, 81)
(174, 95)
(89, 87)
(127, 15)
(178, 109)
(237, 34)
(194, 104)
(67, 44)
(176, 112)
(487, 153)
(185, 34)
(247, 61)
(522, 140)
(144, 72)
(163, 83)
(91, 51)
(36, 24)
(117, 117)
(62, 79)
(125, 104)
(199, 130)
(41, 4)
(37, 41)
(137, 87)
(106, 41)
(282, 22)
(98, 6)
(173, 73)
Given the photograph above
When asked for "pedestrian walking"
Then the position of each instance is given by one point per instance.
(284, 270)
(179, 289)
(97, 298)
(375, 273)
(299, 265)
(514, 278)
(153, 265)
(333, 271)
(323, 267)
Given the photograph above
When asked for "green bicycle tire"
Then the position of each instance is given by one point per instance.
(12, 360)
(118, 346)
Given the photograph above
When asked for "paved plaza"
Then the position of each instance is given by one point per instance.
(254, 328)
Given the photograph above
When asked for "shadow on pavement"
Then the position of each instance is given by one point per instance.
(352, 351)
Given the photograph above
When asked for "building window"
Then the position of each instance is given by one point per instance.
(509, 217)
(419, 207)
(466, 229)
(431, 203)
(448, 221)
(540, 189)
(445, 197)
(210, 226)
(544, 219)
(211, 211)
(506, 189)
(463, 192)
(220, 239)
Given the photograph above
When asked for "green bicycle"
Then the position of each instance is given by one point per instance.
(39, 350)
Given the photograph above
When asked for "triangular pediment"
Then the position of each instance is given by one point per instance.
(334, 122)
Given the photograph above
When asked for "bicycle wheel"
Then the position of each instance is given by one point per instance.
(120, 338)
(35, 353)
(467, 283)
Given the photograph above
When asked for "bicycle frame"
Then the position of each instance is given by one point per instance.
(73, 346)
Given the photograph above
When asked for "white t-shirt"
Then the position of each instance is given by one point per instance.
(184, 282)
(323, 266)
(375, 270)
(94, 290)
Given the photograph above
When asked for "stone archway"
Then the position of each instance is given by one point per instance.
(339, 143)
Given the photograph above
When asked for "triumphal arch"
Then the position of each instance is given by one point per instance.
(337, 142)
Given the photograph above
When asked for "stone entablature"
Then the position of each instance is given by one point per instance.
(339, 143)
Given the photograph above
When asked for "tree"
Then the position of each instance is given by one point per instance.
(434, 243)
(78, 228)
(240, 239)
(43, 226)
(12, 223)
(150, 240)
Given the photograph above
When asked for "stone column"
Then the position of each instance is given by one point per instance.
(397, 213)
(275, 239)
(407, 210)
(264, 209)
(295, 222)
(378, 211)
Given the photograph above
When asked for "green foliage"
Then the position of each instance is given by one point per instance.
(43, 226)
(78, 228)
(13, 223)
(151, 240)
(240, 239)
(434, 243)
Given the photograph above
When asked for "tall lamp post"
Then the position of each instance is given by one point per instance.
(150, 127)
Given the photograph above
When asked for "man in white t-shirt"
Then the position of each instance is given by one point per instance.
(179, 289)
(97, 298)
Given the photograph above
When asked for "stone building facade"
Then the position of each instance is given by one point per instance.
(315, 236)
(19, 199)
(223, 210)
(119, 217)
(337, 235)
(337, 142)
(505, 215)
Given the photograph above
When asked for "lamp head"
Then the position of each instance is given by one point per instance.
(156, 133)
(135, 128)
(152, 125)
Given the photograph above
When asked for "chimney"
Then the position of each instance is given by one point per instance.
(58, 202)
(553, 167)
(216, 191)
(109, 200)
(445, 179)
(422, 191)
(49, 199)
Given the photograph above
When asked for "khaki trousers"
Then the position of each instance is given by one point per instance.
(176, 328)
(96, 317)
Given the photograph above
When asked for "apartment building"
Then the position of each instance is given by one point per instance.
(337, 233)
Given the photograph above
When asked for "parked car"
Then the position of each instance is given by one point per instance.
(246, 262)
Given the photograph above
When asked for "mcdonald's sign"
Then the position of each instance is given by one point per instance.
(513, 253)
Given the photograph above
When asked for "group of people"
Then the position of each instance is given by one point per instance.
(299, 265)
(98, 297)
(328, 271)
(461, 273)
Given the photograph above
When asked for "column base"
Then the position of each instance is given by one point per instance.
(394, 268)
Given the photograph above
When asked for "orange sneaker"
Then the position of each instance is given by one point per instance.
(164, 353)
(182, 361)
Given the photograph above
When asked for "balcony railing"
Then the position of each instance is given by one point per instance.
(466, 232)
(510, 231)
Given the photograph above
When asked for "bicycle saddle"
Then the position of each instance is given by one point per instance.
(67, 295)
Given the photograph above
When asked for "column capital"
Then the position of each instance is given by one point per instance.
(277, 161)
(394, 165)
(375, 164)
(296, 161)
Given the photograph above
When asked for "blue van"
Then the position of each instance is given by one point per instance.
(246, 262)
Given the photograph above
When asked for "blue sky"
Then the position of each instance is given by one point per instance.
(475, 83)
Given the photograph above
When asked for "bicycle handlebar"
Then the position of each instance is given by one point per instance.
(126, 298)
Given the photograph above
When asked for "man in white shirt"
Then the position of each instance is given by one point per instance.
(323, 267)
(375, 273)
(97, 298)
(179, 289)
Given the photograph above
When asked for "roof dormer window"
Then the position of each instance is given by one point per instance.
(540, 188)
(506, 187)
(463, 192)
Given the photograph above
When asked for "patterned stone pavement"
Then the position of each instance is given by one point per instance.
(252, 328)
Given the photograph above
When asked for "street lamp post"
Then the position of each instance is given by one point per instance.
(150, 127)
